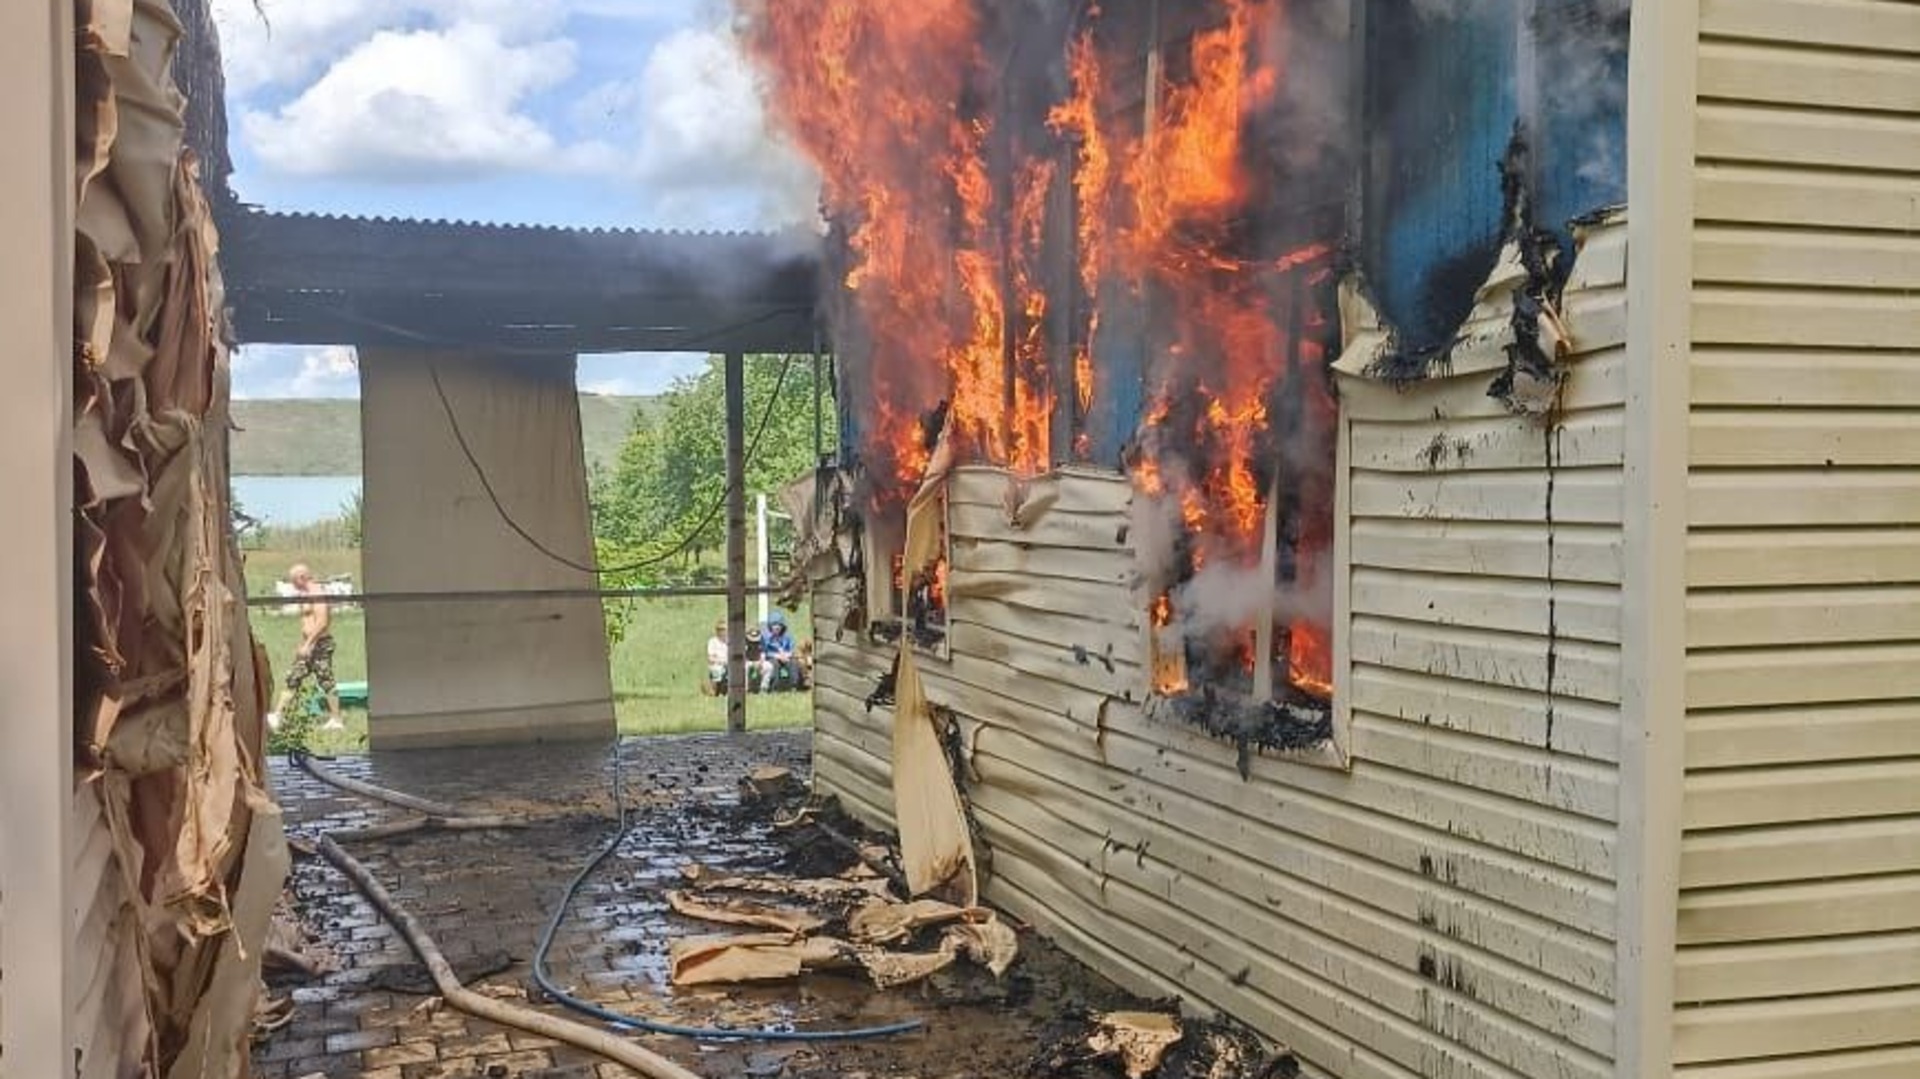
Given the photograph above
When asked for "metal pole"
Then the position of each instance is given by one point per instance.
(760, 551)
(736, 543)
(819, 392)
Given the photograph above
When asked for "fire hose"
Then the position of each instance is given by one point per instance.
(621, 1020)
(487, 1008)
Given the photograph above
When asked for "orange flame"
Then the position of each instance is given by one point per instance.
(866, 88)
(1169, 656)
(1310, 658)
(1189, 188)
(946, 211)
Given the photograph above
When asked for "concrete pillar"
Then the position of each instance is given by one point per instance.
(37, 975)
(472, 671)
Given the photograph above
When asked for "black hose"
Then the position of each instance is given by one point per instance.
(652, 1026)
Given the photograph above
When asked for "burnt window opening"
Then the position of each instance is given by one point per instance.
(914, 605)
(1241, 641)
(1449, 99)
(1233, 458)
(923, 595)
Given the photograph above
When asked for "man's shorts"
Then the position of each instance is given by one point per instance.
(317, 664)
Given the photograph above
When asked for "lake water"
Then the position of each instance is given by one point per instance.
(293, 500)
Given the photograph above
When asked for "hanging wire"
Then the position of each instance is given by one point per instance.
(686, 541)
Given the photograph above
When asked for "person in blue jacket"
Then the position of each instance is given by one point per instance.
(778, 655)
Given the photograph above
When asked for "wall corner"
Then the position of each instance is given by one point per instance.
(1661, 111)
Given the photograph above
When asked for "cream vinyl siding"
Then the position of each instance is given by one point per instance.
(1443, 909)
(110, 1016)
(1799, 916)
(110, 1026)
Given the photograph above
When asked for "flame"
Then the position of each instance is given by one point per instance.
(1078, 119)
(943, 189)
(866, 88)
(1189, 170)
(1169, 654)
(1310, 659)
(1031, 416)
(1189, 188)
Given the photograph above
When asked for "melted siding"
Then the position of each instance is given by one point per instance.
(1444, 909)
(1800, 905)
(110, 1020)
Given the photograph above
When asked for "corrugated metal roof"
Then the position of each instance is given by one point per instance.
(249, 211)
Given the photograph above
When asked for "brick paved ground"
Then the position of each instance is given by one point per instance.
(484, 896)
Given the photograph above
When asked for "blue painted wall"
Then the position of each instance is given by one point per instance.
(1119, 380)
(1444, 96)
(1441, 105)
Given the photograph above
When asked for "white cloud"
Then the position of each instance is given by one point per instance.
(691, 129)
(417, 104)
(280, 371)
(288, 42)
(424, 91)
(636, 374)
(285, 41)
(328, 371)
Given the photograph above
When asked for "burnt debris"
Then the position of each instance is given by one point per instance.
(1250, 724)
(1531, 383)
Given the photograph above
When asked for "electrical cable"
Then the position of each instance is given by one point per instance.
(687, 541)
(652, 1026)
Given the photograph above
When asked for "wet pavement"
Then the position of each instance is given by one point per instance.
(485, 895)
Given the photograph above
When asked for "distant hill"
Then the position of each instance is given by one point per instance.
(322, 437)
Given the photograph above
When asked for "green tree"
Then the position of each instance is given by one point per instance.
(670, 474)
(351, 517)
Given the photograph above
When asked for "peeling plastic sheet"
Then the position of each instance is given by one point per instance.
(168, 679)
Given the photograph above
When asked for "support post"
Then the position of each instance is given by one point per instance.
(736, 543)
(819, 391)
(36, 549)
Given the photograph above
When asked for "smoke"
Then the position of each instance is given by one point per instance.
(1154, 535)
(1224, 599)
(1582, 60)
(1445, 9)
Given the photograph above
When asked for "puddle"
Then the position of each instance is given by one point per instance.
(484, 893)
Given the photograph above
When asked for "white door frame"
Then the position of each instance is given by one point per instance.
(36, 547)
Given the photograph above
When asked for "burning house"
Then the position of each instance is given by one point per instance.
(1372, 530)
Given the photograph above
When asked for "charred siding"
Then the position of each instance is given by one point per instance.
(1445, 908)
(1799, 910)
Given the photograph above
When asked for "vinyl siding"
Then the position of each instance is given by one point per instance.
(110, 1021)
(110, 1018)
(1441, 910)
(1799, 912)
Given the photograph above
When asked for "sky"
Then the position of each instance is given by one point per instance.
(612, 113)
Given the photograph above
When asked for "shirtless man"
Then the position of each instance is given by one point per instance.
(314, 658)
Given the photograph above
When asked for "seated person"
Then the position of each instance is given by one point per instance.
(753, 660)
(717, 659)
(779, 665)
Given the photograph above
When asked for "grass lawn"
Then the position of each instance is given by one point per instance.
(657, 664)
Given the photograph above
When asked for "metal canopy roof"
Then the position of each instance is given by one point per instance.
(311, 279)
